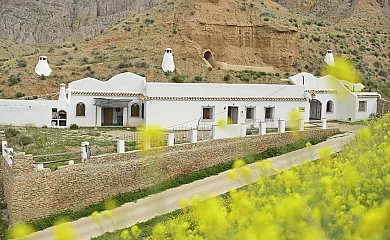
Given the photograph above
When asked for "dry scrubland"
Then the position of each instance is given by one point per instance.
(137, 45)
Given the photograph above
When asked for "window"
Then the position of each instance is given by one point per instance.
(62, 114)
(207, 113)
(80, 109)
(250, 113)
(54, 113)
(329, 107)
(362, 106)
(269, 112)
(135, 110)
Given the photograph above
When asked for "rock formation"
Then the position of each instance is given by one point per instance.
(49, 21)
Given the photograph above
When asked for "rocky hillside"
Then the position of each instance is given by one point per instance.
(256, 33)
(50, 21)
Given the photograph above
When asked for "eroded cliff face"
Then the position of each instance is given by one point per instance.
(239, 38)
(337, 9)
(49, 21)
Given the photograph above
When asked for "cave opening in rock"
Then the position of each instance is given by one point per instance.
(208, 56)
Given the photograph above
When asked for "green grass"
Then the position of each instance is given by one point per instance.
(133, 196)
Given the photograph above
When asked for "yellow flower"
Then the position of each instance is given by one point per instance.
(107, 214)
(63, 230)
(151, 136)
(343, 70)
(96, 217)
(125, 234)
(135, 231)
(110, 204)
(20, 230)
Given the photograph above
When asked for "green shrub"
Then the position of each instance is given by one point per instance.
(14, 79)
(124, 65)
(25, 140)
(19, 94)
(73, 126)
(140, 64)
(266, 19)
(21, 63)
(43, 77)
(178, 79)
(198, 78)
(245, 78)
(227, 77)
(11, 132)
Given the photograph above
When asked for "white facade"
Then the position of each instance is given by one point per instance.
(128, 100)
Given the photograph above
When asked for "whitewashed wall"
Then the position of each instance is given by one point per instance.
(173, 114)
(28, 112)
(93, 115)
(229, 131)
(371, 108)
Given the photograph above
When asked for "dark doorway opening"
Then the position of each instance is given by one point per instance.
(315, 109)
(208, 56)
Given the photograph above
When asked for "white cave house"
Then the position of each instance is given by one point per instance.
(128, 100)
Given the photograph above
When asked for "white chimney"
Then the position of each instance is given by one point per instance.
(329, 58)
(168, 65)
(62, 96)
(43, 67)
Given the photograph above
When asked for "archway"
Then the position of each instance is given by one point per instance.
(208, 55)
(315, 109)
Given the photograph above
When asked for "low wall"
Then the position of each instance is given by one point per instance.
(31, 193)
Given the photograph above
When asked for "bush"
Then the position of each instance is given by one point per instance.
(227, 77)
(178, 79)
(140, 64)
(85, 60)
(11, 132)
(14, 79)
(43, 77)
(124, 65)
(198, 78)
(21, 63)
(73, 126)
(19, 94)
(44, 126)
(266, 19)
(25, 140)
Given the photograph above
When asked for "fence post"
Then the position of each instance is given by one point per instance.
(301, 125)
(71, 162)
(171, 139)
(40, 166)
(214, 132)
(4, 147)
(121, 146)
(324, 123)
(193, 135)
(84, 151)
(282, 126)
(147, 142)
(243, 129)
(262, 128)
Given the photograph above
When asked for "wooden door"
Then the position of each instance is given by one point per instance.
(108, 114)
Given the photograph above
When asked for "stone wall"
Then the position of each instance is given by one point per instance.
(31, 193)
(383, 107)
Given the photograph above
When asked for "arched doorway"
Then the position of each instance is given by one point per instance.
(315, 109)
(208, 55)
